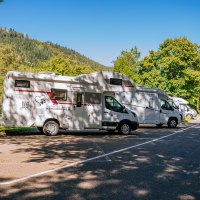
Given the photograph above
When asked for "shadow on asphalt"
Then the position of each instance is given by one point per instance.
(166, 171)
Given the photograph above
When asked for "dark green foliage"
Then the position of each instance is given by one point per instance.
(175, 68)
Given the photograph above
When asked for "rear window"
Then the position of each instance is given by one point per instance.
(22, 83)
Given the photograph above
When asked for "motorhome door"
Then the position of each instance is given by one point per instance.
(92, 112)
(112, 111)
(78, 104)
(165, 111)
(151, 110)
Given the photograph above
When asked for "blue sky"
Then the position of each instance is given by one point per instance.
(101, 29)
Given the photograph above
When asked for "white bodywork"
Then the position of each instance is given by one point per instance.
(184, 107)
(76, 103)
(150, 105)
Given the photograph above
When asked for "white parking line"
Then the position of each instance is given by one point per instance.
(93, 158)
(101, 151)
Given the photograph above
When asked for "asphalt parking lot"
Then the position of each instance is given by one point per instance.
(151, 163)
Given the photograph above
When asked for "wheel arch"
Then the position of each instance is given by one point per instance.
(52, 119)
(123, 121)
(173, 118)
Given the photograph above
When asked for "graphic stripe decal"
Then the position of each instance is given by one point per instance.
(54, 101)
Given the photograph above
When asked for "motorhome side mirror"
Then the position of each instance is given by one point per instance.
(123, 109)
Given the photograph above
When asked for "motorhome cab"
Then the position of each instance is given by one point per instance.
(50, 102)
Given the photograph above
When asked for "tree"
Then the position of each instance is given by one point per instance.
(127, 62)
(64, 66)
(177, 61)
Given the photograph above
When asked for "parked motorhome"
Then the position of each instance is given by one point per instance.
(151, 106)
(50, 102)
(183, 106)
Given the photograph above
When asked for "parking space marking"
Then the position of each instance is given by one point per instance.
(93, 158)
(101, 151)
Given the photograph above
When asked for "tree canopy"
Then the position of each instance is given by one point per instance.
(174, 67)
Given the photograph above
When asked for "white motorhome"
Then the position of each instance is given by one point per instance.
(184, 107)
(150, 105)
(50, 102)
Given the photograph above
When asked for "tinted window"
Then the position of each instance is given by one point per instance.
(79, 99)
(115, 81)
(22, 83)
(113, 104)
(92, 98)
(165, 105)
(60, 95)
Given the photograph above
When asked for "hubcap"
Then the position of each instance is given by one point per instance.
(51, 128)
(173, 123)
(125, 128)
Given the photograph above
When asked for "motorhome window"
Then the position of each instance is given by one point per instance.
(151, 103)
(165, 105)
(22, 83)
(79, 100)
(60, 95)
(115, 81)
(113, 104)
(92, 98)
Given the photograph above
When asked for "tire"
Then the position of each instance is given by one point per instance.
(40, 129)
(124, 128)
(159, 125)
(189, 116)
(50, 128)
(172, 123)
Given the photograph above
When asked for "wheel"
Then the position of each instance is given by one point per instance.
(189, 116)
(172, 123)
(50, 128)
(40, 129)
(124, 128)
(159, 125)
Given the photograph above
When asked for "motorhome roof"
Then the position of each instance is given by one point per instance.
(48, 77)
(155, 90)
(96, 78)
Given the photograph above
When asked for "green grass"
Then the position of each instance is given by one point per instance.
(9, 129)
(187, 120)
